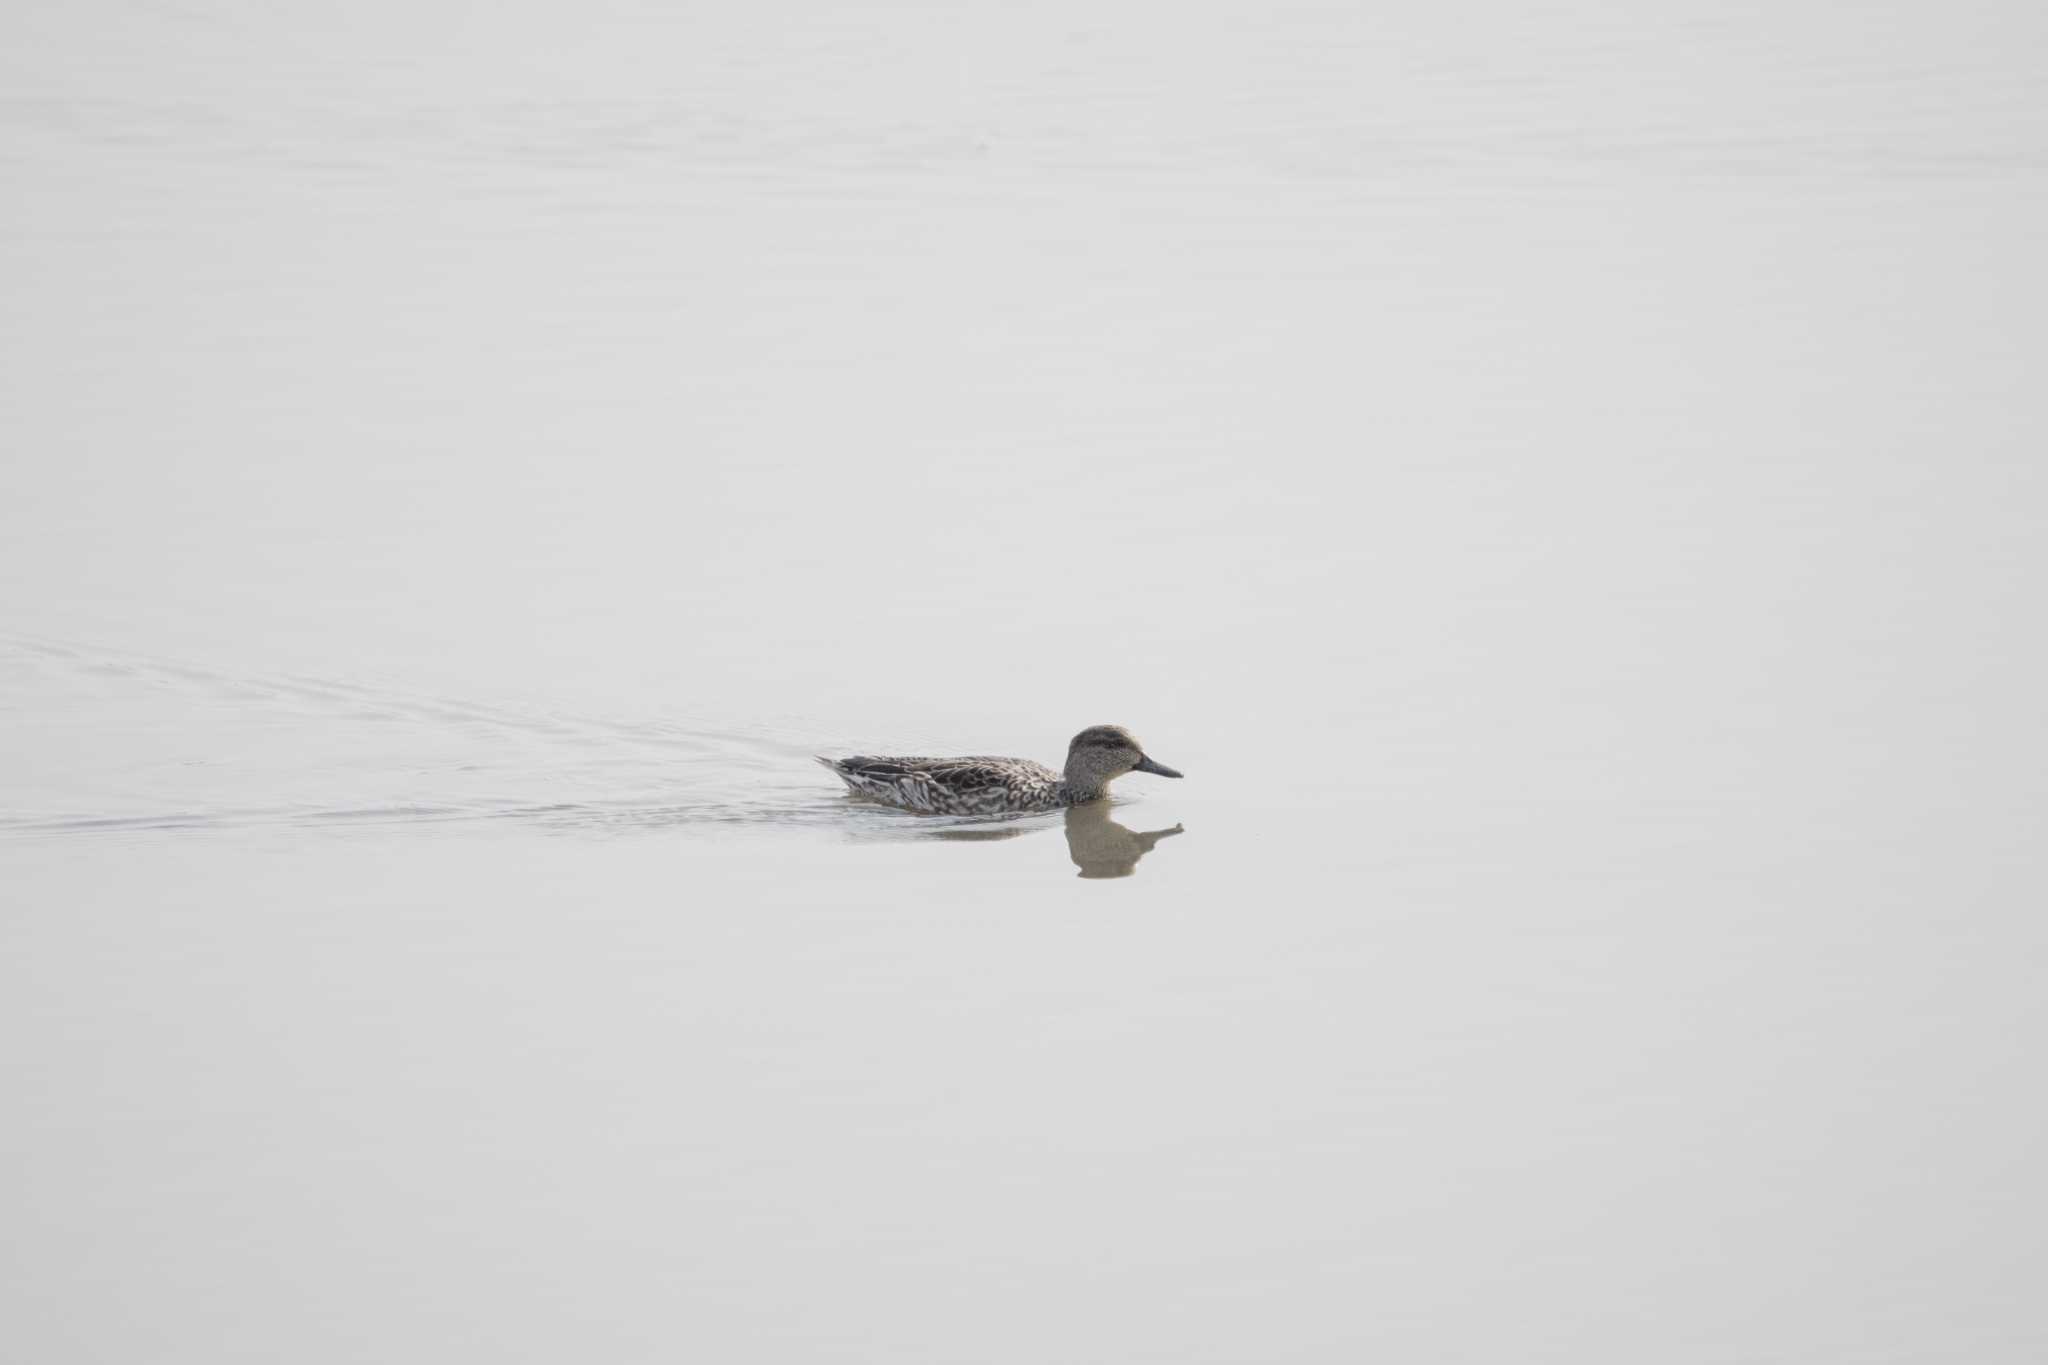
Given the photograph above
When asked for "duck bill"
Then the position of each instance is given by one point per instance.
(1146, 765)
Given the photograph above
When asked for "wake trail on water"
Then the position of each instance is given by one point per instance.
(106, 741)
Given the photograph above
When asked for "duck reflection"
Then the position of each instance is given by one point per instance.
(1099, 846)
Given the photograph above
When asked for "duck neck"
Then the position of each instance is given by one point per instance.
(1080, 785)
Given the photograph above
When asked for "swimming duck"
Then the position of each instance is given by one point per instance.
(998, 786)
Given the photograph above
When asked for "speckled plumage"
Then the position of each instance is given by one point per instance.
(985, 785)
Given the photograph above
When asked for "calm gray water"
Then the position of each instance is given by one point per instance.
(1565, 486)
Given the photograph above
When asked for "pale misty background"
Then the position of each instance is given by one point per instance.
(1565, 482)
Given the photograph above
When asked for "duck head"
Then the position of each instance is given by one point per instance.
(1102, 753)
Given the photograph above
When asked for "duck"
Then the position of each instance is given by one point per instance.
(982, 785)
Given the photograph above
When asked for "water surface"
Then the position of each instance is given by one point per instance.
(1565, 486)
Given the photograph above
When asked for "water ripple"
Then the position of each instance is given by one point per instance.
(178, 746)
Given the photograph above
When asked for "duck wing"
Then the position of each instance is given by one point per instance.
(941, 783)
(976, 771)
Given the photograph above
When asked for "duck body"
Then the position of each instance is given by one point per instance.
(954, 786)
(984, 785)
